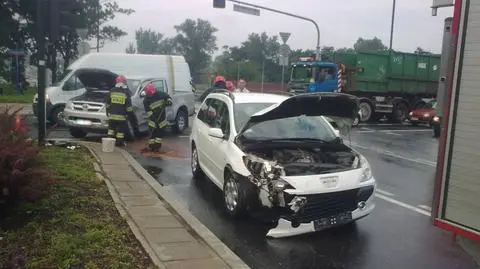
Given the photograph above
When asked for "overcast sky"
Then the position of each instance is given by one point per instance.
(341, 21)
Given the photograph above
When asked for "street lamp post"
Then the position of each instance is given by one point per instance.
(392, 24)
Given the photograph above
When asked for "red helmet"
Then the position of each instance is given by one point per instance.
(121, 79)
(230, 86)
(150, 89)
(218, 78)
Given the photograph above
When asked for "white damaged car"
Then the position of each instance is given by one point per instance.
(279, 154)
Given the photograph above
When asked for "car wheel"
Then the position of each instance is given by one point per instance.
(77, 133)
(57, 115)
(234, 196)
(181, 122)
(130, 135)
(436, 130)
(414, 123)
(195, 164)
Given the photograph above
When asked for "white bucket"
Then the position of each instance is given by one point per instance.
(108, 144)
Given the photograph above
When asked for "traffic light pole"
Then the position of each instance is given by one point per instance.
(317, 52)
(41, 104)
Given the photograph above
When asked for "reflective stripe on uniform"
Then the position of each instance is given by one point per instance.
(149, 113)
(156, 104)
(151, 124)
(118, 98)
(163, 124)
(116, 117)
(111, 132)
(158, 140)
(120, 135)
(129, 109)
(151, 141)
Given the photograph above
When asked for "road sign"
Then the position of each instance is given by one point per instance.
(246, 10)
(283, 61)
(284, 36)
(284, 50)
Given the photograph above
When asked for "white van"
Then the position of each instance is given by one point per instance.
(174, 69)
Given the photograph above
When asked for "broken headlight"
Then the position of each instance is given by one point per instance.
(366, 169)
(260, 169)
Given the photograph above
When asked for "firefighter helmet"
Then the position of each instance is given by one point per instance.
(150, 89)
(121, 79)
(218, 79)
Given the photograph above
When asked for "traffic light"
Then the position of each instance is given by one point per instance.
(65, 15)
(219, 3)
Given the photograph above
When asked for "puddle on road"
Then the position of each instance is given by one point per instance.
(154, 171)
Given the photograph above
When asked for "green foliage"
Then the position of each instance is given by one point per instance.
(369, 45)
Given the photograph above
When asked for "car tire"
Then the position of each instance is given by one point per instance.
(436, 130)
(56, 115)
(77, 133)
(195, 164)
(235, 196)
(181, 122)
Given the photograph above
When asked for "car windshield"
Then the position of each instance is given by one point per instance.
(302, 73)
(299, 127)
(243, 112)
(431, 104)
(61, 77)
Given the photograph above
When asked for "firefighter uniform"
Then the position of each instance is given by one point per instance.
(155, 104)
(119, 106)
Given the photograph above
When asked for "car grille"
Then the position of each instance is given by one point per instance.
(90, 107)
(328, 204)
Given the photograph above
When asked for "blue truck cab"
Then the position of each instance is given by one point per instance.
(313, 76)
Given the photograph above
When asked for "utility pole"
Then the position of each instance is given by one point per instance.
(98, 25)
(41, 72)
(392, 24)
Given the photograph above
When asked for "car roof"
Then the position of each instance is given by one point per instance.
(243, 97)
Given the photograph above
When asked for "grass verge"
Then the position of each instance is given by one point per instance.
(9, 95)
(75, 226)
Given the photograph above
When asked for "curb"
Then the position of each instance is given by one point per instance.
(227, 255)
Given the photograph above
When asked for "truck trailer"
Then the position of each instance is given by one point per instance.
(388, 83)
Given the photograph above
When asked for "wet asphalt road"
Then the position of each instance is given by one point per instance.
(398, 234)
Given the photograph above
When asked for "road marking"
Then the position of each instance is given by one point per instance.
(184, 136)
(385, 192)
(395, 155)
(363, 132)
(402, 204)
(426, 207)
(390, 133)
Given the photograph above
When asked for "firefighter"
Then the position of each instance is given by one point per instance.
(119, 106)
(155, 104)
(219, 83)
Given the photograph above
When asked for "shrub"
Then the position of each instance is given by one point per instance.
(20, 179)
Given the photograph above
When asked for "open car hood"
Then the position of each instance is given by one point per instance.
(92, 78)
(340, 107)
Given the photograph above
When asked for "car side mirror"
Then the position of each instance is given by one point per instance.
(142, 94)
(216, 132)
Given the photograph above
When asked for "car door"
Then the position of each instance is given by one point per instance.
(218, 146)
(202, 125)
(137, 103)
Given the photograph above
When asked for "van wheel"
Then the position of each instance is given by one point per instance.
(181, 122)
(77, 133)
(57, 115)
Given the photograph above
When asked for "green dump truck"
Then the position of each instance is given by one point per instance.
(388, 84)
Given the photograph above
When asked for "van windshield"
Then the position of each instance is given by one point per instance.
(61, 77)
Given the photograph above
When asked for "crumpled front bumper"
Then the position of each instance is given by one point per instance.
(284, 227)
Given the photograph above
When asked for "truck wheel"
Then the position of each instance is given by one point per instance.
(77, 133)
(366, 111)
(181, 122)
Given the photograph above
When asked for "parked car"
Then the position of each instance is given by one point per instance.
(280, 154)
(87, 113)
(174, 69)
(424, 114)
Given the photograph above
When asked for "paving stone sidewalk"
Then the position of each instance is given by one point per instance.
(26, 108)
(163, 232)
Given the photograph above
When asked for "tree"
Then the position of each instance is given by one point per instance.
(369, 45)
(419, 50)
(130, 49)
(196, 40)
(147, 41)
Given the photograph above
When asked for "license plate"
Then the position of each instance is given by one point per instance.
(83, 122)
(413, 118)
(329, 182)
(332, 221)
